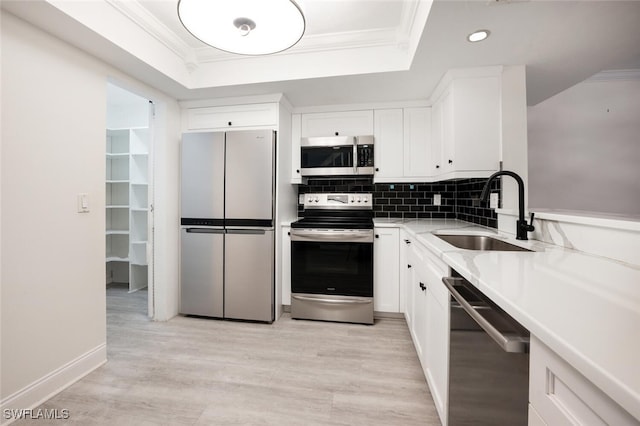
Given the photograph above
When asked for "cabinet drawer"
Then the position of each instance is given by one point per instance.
(252, 115)
(561, 395)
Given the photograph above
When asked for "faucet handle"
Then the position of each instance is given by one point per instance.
(530, 226)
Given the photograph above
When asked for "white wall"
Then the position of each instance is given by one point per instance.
(53, 319)
(584, 148)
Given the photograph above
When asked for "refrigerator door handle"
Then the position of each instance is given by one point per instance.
(246, 231)
(204, 231)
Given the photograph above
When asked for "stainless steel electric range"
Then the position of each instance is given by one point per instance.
(332, 259)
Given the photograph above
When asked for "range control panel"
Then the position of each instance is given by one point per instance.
(338, 201)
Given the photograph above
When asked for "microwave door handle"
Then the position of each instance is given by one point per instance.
(355, 155)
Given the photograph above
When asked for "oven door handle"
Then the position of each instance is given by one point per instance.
(347, 236)
(508, 343)
(332, 301)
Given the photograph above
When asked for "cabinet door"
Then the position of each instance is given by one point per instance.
(233, 116)
(417, 142)
(447, 150)
(386, 255)
(561, 395)
(405, 242)
(437, 336)
(296, 177)
(420, 317)
(436, 139)
(477, 119)
(409, 268)
(346, 123)
(286, 267)
(388, 148)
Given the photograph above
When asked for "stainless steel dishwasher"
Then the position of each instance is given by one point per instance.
(488, 360)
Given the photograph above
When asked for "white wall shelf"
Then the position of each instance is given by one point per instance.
(127, 169)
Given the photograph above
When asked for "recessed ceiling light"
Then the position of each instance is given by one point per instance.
(478, 35)
(246, 27)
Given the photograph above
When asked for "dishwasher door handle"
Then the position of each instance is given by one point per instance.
(512, 344)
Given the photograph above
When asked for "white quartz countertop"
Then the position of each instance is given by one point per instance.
(586, 308)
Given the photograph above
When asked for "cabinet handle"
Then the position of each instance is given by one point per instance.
(408, 266)
(407, 241)
(437, 166)
(229, 123)
(288, 233)
(337, 133)
(423, 287)
(377, 236)
(297, 170)
(450, 161)
(377, 169)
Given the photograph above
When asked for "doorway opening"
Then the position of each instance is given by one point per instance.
(129, 203)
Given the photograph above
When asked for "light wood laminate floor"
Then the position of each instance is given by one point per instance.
(192, 371)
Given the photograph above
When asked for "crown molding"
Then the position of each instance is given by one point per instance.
(140, 16)
(316, 43)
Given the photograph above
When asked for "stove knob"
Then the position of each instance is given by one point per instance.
(352, 200)
(366, 200)
(359, 200)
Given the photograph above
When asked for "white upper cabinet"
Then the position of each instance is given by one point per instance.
(343, 123)
(232, 116)
(402, 144)
(296, 177)
(417, 142)
(466, 129)
(388, 143)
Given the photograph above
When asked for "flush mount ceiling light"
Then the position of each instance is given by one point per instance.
(246, 27)
(478, 35)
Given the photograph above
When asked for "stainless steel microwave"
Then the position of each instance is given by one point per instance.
(336, 156)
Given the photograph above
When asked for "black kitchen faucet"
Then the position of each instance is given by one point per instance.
(522, 227)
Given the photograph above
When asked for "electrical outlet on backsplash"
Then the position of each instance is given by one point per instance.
(459, 199)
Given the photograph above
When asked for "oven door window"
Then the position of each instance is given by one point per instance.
(326, 156)
(341, 268)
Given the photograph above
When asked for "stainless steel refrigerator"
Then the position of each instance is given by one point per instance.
(227, 235)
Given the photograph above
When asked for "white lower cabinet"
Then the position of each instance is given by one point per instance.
(285, 290)
(437, 354)
(386, 257)
(419, 299)
(426, 306)
(560, 395)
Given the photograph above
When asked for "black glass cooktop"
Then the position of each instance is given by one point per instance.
(335, 220)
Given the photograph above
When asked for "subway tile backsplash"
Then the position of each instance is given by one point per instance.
(459, 198)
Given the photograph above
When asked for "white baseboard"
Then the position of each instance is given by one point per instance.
(44, 388)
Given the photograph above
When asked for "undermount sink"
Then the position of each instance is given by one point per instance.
(479, 242)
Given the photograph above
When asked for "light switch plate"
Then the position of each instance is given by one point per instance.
(494, 198)
(83, 203)
(437, 200)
